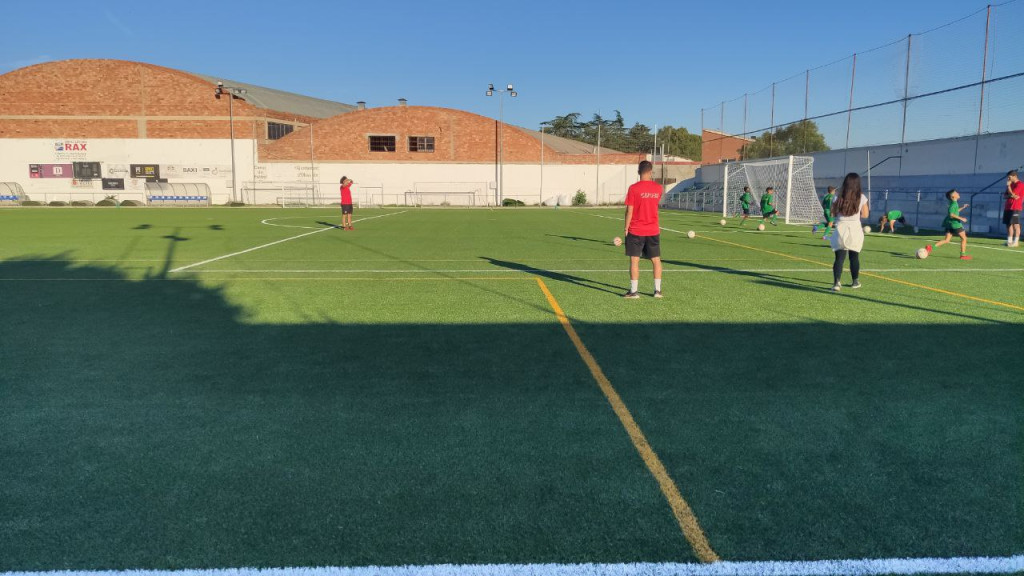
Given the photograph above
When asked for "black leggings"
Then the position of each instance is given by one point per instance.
(837, 268)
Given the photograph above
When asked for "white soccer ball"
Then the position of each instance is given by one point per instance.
(722, 221)
(691, 234)
(867, 229)
(922, 253)
(760, 227)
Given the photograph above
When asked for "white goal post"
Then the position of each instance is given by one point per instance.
(792, 177)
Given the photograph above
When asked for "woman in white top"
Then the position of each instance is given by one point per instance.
(848, 239)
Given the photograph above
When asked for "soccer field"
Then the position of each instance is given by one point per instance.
(236, 388)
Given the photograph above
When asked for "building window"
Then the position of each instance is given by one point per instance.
(276, 131)
(382, 143)
(421, 143)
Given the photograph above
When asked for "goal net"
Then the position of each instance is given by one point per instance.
(792, 178)
(446, 194)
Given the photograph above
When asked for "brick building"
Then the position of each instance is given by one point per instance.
(719, 147)
(122, 113)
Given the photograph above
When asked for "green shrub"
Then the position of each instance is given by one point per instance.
(31, 203)
(82, 203)
(107, 202)
(512, 202)
(580, 199)
(132, 203)
(58, 203)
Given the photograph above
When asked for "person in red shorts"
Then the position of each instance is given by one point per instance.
(346, 203)
(1014, 205)
(643, 235)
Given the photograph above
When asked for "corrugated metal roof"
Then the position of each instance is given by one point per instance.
(281, 101)
(567, 146)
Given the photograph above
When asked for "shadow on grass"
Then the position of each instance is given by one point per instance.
(147, 424)
(556, 276)
(579, 239)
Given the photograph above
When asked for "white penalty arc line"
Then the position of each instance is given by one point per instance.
(253, 249)
(615, 270)
(867, 566)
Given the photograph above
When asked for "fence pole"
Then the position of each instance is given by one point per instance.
(917, 215)
(771, 135)
(849, 111)
(807, 96)
(744, 115)
(906, 94)
(981, 105)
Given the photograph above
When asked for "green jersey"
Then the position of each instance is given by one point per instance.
(952, 222)
(827, 203)
(767, 203)
(894, 214)
(745, 200)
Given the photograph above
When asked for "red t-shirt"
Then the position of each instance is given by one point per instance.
(644, 197)
(346, 194)
(1016, 204)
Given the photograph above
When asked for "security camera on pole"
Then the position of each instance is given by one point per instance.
(234, 92)
(499, 168)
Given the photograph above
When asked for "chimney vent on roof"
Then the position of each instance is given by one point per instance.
(360, 105)
(402, 102)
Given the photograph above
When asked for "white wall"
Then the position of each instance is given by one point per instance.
(209, 162)
(203, 161)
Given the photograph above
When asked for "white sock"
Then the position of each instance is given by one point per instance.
(657, 284)
(634, 285)
(1009, 239)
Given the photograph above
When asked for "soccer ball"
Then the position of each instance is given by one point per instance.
(691, 234)
(922, 253)
(760, 227)
(867, 229)
(617, 241)
(916, 230)
(722, 221)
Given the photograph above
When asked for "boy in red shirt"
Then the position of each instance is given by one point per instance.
(643, 235)
(346, 203)
(1014, 204)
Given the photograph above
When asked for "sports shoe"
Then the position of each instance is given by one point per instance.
(837, 287)
(657, 293)
(814, 229)
(631, 295)
(855, 285)
(350, 228)
(965, 257)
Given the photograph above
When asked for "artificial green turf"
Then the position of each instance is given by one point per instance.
(403, 393)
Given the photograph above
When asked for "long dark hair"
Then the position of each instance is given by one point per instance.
(848, 202)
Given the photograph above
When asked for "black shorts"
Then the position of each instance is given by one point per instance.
(1011, 217)
(643, 246)
(346, 208)
(955, 231)
(746, 211)
(769, 214)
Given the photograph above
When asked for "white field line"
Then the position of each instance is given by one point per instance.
(617, 270)
(182, 268)
(879, 566)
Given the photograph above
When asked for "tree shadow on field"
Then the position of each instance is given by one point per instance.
(556, 276)
(152, 423)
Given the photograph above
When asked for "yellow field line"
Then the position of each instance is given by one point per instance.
(873, 275)
(682, 511)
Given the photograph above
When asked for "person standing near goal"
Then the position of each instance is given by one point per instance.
(643, 234)
(768, 209)
(1014, 205)
(745, 199)
(346, 203)
(848, 237)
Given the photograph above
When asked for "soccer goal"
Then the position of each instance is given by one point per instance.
(792, 178)
(445, 193)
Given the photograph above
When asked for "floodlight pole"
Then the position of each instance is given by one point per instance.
(233, 92)
(499, 171)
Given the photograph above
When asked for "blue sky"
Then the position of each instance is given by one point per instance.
(658, 62)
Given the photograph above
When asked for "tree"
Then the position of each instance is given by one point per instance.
(567, 126)
(797, 138)
(679, 142)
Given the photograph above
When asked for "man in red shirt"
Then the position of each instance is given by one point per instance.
(643, 235)
(346, 203)
(1014, 204)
